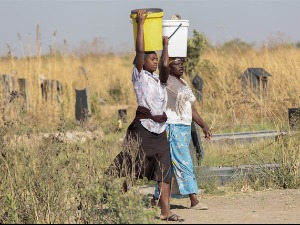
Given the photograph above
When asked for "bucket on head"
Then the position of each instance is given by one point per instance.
(152, 28)
(178, 29)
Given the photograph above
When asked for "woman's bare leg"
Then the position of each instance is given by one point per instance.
(196, 204)
(165, 190)
(194, 200)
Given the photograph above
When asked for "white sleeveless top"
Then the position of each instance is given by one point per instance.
(180, 101)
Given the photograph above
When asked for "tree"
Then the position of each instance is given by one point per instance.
(195, 47)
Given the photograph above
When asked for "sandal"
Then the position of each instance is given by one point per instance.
(173, 217)
(199, 206)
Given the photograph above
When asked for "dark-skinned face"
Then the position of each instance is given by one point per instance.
(176, 68)
(151, 62)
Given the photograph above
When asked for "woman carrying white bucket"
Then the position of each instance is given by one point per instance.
(181, 112)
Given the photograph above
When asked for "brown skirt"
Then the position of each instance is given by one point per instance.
(144, 154)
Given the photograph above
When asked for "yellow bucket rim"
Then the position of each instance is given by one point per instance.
(152, 12)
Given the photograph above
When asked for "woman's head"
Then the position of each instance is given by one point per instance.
(176, 66)
(150, 61)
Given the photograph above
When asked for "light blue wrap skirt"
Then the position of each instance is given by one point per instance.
(179, 136)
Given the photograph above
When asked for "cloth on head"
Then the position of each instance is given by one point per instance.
(175, 17)
(175, 59)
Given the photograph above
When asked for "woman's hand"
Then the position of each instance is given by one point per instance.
(141, 16)
(165, 41)
(207, 132)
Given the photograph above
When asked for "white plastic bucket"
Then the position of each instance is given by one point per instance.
(178, 42)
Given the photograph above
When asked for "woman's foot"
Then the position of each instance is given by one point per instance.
(195, 204)
(172, 217)
(199, 206)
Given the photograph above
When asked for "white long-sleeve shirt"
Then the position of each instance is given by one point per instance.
(152, 94)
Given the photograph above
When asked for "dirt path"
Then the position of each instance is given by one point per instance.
(263, 207)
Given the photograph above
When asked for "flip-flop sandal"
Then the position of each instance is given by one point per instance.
(173, 217)
(200, 206)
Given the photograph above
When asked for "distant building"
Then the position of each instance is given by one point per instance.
(256, 79)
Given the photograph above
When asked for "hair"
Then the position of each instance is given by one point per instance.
(147, 53)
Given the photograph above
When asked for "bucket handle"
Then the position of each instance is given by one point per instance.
(175, 30)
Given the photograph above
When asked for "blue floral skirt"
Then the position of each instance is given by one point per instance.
(179, 136)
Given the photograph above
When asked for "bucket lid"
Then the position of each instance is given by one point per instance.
(151, 13)
(148, 10)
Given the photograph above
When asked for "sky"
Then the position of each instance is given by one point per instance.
(82, 21)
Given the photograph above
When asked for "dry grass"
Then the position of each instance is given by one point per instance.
(49, 180)
(56, 182)
(223, 103)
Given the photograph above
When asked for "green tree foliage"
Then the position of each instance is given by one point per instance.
(298, 44)
(195, 47)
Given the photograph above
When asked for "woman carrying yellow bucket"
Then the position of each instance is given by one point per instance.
(147, 132)
(149, 124)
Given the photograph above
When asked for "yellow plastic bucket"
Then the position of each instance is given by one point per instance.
(152, 28)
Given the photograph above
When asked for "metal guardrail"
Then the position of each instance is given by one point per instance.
(227, 139)
(223, 175)
(226, 174)
(239, 137)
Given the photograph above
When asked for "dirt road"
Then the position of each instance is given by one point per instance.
(257, 207)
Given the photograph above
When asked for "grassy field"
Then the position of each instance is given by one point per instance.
(224, 105)
(46, 179)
